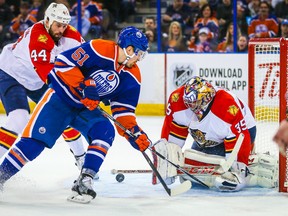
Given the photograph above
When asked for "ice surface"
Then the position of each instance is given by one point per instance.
(42, 186)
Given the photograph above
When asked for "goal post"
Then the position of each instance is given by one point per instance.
(267, 71)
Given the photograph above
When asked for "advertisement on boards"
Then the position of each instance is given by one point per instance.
(229, 71)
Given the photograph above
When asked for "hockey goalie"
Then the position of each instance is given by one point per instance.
(223, 130)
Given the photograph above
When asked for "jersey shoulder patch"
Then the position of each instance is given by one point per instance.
(40, 38)
(176, 99)
(224, 106)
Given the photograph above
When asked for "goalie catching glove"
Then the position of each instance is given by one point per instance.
(90, 96)
(140, 141)
(233, 180)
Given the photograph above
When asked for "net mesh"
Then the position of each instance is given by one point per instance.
(269, 58)
(266, 96)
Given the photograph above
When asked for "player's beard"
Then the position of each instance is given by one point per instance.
(55, 37)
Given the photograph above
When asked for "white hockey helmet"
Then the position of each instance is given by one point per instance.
(57, 12)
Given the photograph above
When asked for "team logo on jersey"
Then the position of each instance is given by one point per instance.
(106, 81)
(42, 130)
(233, 110)
(199, 137)
(182, 74)
(42, 38)
(175, 97)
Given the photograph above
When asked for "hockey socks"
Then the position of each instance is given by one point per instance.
(7, 139)
(25, 150)
(73, 139)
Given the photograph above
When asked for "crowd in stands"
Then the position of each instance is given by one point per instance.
(186, 25)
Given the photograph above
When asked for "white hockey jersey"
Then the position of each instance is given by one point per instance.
(31, 58)
(225, 118)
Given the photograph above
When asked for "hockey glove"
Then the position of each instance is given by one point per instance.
(90, 96)
(140, 142)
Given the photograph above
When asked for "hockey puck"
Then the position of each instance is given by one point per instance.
(120, 177)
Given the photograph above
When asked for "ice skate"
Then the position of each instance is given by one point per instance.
(82, 189)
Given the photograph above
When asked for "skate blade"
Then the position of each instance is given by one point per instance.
(77, 198)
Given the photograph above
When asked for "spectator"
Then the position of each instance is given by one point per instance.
(224, 16)
(175, 42)
(6, 16)
(281, 10)
(95, 17)
(254, 6)
(152, 42)
(207, 20)
(242, 44)
(22, 22)
(179, 12)
(195, 10)
(203, 45)
(264, 25)
(242, 14)
(284, 28)
(214, 4)
(150, 24)
(36, 10)
(227, 45)
(84, 21)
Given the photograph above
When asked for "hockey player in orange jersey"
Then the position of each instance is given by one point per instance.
(215, 118)
(98, 70)
(24, 67)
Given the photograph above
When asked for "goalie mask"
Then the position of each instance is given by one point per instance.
(57, 12)
(198, 93)
(131, 36)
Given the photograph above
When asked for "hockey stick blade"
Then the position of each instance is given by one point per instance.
(182, 188)
(77, 198)
(178, 167)
(130, 171)
(171, 192)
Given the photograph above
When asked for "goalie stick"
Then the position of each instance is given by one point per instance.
(179, 189)
(226, 164)
(178, 167)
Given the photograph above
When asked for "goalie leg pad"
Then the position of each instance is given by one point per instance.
(264, 167)
(191, 156)
(174, 154)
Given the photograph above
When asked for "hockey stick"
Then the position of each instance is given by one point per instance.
(130, 171)
(152, 150)
(185, 186)
(226, 164)
(179, 168)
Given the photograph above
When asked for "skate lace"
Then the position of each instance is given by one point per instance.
(85, 184)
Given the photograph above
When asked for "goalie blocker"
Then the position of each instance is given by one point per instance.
(262, 169)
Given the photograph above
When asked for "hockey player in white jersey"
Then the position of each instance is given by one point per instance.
(217, 120)
(24, 67)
